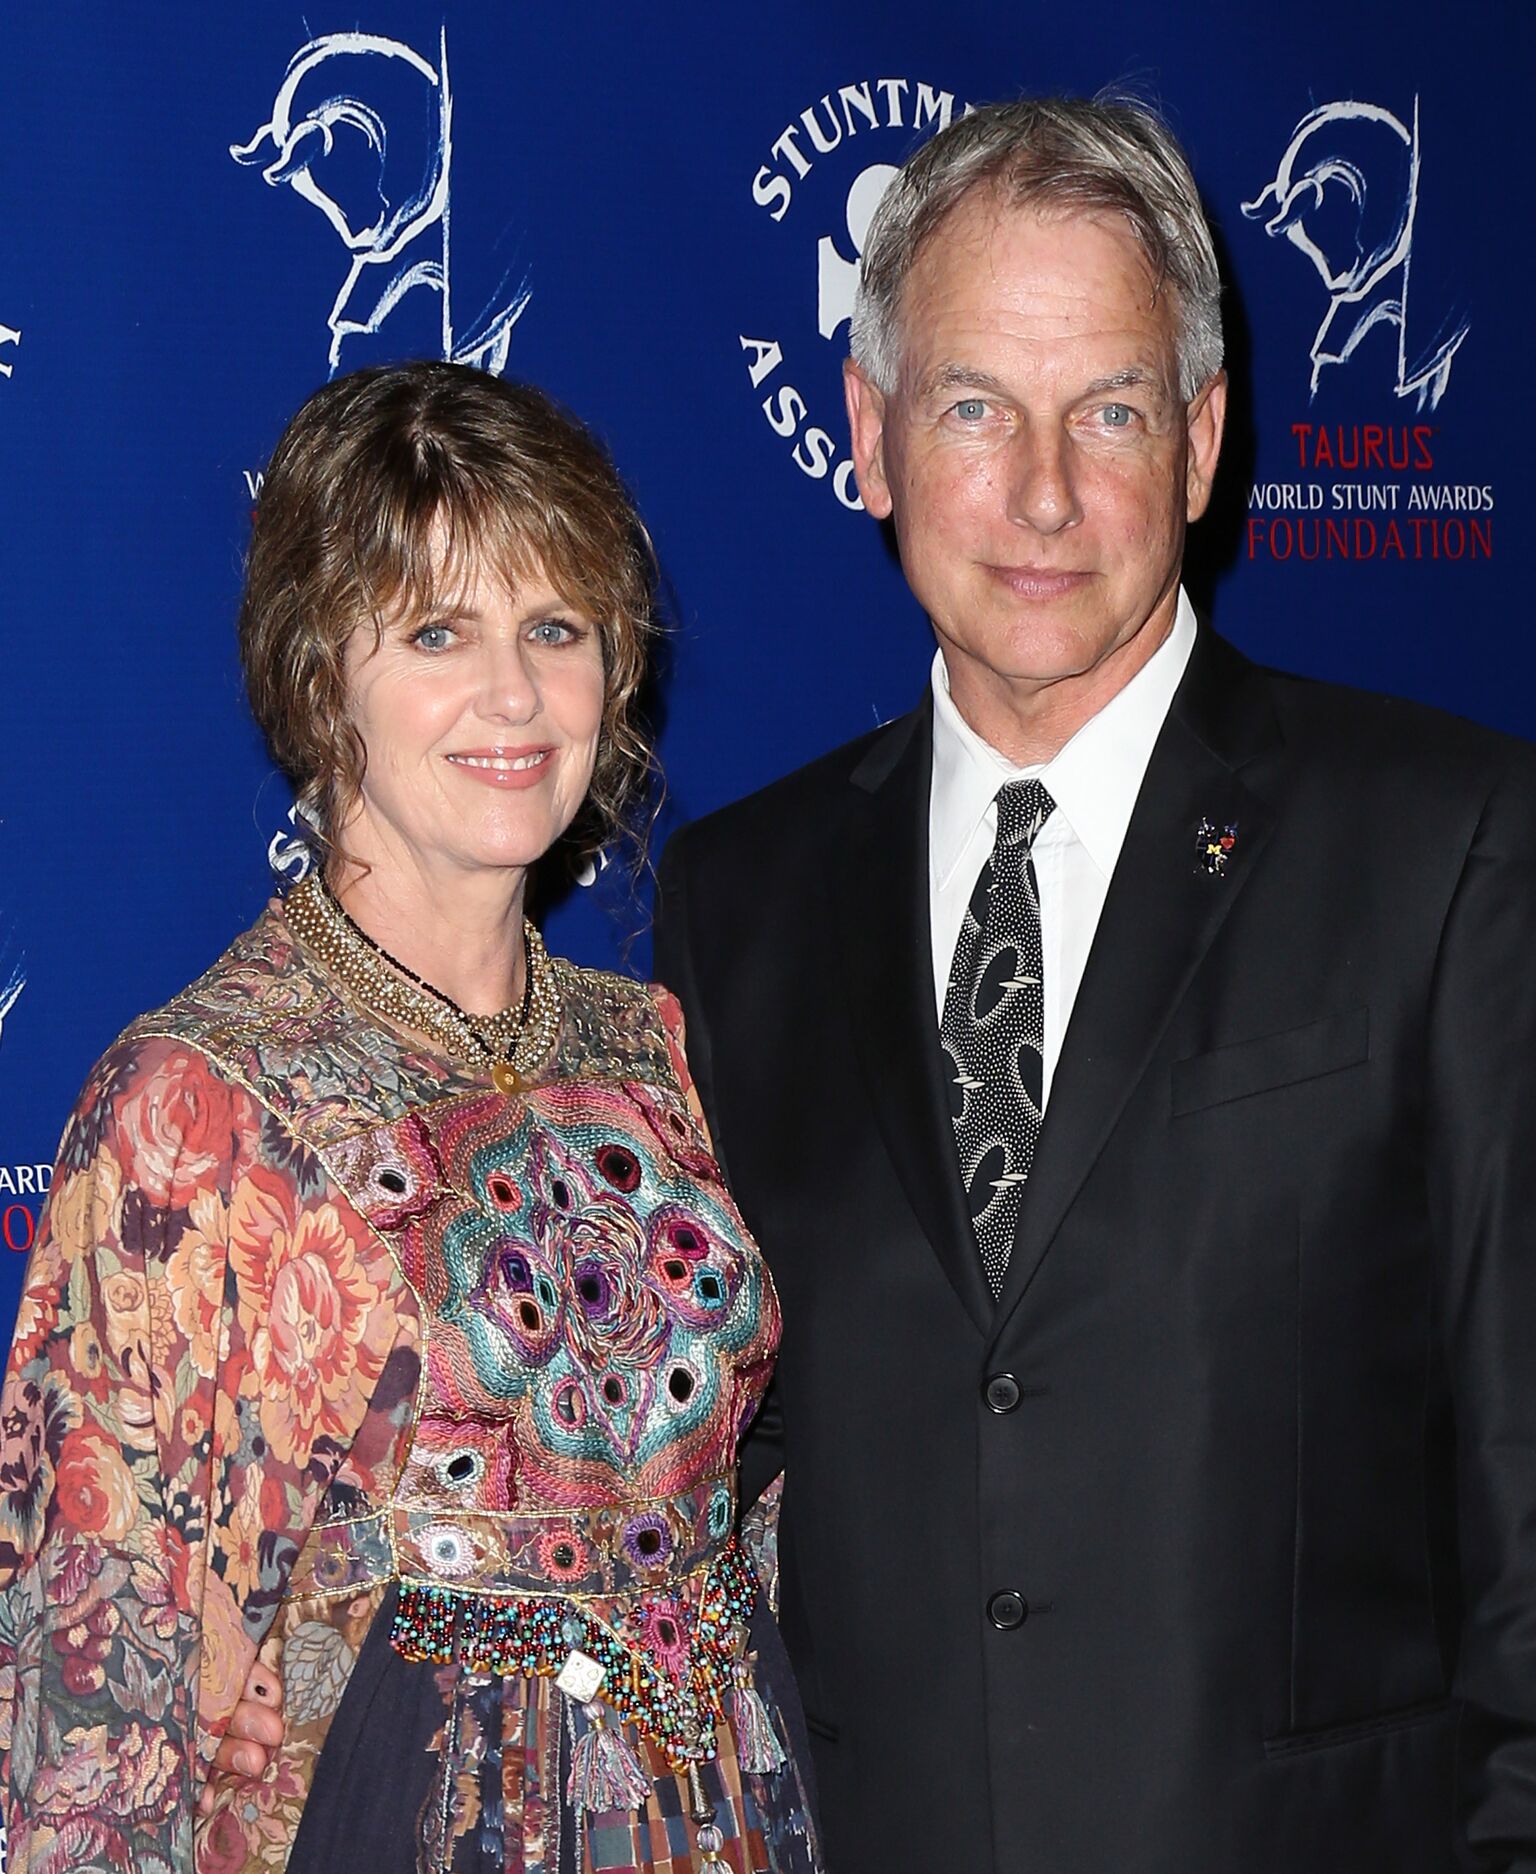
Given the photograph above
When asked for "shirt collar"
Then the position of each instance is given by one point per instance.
(1094, 779)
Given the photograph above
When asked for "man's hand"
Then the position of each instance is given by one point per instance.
(255, 1731)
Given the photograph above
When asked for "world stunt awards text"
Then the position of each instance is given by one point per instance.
(1415, 518)
(22, 1190)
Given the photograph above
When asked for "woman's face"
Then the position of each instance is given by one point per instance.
(480, 722)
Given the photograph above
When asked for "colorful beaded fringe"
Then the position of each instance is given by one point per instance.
(677, 1704)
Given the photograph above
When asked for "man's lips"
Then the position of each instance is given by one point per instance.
(1039, 582)
(505, 767)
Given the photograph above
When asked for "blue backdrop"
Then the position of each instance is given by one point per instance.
(656, 213)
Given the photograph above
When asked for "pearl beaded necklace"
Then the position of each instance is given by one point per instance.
(512, 1044)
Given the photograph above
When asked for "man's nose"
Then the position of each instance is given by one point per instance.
(1042, 491)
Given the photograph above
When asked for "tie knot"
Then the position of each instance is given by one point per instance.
(1023, 807)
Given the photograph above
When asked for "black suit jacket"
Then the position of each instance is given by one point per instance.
(1268, 1488)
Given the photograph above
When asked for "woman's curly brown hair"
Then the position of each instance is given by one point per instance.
(386, 489)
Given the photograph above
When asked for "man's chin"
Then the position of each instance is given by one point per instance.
(1029, 653)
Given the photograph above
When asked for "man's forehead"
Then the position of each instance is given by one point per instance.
(986, 240)
(1042, 274)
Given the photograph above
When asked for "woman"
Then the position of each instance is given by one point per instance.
(390, 1314)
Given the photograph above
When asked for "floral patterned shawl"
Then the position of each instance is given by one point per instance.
(214, 1353)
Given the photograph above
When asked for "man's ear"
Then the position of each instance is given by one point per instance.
(866, 427)
(1205, 422)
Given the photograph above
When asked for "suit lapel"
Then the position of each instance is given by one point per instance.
(881, 910)
(1162, 913)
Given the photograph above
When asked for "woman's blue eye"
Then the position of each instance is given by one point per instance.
(432, 637)
(551, 631)
(970, 409)
(1117, 415)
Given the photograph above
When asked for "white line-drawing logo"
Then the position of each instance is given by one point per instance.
(352, 96)
(290, 851)
(1346, 193)
(810, 160)
(9, 335)
(837, 280)
(14, 981)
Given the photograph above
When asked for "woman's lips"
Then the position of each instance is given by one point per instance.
(506, 768)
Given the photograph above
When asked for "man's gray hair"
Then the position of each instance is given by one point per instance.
(1074, 155)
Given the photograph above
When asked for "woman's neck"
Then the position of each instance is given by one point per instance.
(462, 933)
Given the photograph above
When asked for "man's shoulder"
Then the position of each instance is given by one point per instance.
(799, 807)
(1370, 733)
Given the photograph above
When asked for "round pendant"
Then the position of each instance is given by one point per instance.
(507, 1079)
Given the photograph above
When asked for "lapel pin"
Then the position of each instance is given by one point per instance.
(1213, 847)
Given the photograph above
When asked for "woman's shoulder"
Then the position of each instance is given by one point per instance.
(603, 989)
(613, 1024)
(169, 1070)
(239, 981)
(627, 1030)
(268, 1017)
(197, 1020)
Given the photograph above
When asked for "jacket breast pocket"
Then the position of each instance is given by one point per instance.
(1261, 1065)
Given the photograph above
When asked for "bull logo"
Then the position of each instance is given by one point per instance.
(1346, 194)
(362, 129)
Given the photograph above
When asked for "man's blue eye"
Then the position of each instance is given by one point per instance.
(970, 410)
(1116, 415)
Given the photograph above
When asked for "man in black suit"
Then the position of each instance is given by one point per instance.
(1127, 1062)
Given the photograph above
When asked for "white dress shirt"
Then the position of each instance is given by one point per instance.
(1094, 781)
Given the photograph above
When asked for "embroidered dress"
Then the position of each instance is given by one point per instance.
(431, 1392)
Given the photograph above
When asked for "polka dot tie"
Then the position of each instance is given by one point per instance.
(993, 1028)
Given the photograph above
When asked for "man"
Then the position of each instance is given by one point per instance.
(1126, 1063)
(1160, 1478)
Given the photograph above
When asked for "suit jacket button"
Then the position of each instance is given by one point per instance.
(1002, 1393)
(1007, 1610)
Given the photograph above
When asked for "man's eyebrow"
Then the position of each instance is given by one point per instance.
(1131, 377)
(956, 376)
(960, 377)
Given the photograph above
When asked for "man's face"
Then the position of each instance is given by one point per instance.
(1035, 453)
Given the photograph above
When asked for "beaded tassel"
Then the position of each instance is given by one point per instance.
(703, 1813)
(605, 1772)
(757, 1745)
